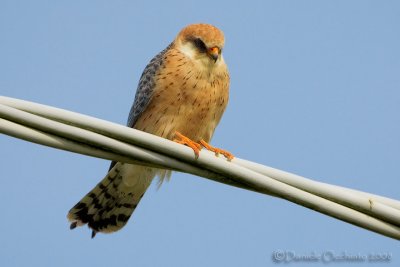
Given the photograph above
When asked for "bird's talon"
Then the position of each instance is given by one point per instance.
(229, 156)
(181, 139)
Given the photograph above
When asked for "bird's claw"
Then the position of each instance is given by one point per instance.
(229, 156)
(181, 139)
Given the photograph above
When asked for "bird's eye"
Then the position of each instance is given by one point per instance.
(200, 45)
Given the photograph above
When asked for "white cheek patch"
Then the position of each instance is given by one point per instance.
(188, 50)
(202, 62)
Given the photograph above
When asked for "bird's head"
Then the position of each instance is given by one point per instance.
(202, 43)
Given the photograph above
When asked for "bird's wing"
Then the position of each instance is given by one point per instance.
(145, 90)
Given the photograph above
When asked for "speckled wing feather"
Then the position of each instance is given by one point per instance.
(145, 88)
(110, 204)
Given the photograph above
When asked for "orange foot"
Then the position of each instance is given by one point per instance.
(217, 151)
(181, 139)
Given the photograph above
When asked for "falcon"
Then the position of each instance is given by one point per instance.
(181, 96)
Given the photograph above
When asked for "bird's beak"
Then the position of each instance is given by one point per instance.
(214, 52)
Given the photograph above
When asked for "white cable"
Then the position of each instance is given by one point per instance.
(83, 134)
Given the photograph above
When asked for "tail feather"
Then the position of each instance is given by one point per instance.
(108, 207)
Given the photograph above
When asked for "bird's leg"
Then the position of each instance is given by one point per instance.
(217, 151)
(181, 139)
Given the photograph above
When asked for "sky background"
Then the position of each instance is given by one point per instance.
(315, 90)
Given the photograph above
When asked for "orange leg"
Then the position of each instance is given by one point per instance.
(181, 139)
(217, 151)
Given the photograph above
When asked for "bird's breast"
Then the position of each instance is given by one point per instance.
(185, 99)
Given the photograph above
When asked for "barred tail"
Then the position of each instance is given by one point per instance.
(108, 207)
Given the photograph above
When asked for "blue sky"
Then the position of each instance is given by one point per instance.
(315, 90)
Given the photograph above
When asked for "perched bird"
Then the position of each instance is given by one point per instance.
(181, 96)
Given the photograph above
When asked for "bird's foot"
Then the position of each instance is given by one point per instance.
(229, 156)
(181, 139)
